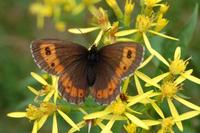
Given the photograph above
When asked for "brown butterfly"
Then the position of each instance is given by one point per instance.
(79, 68)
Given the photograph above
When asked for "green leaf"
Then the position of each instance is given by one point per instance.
(188, 30)
(185, 36)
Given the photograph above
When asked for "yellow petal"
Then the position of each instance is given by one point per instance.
(79, 7)
(83, 111)
(55, 96)
(126, 32)
(183, 76)
(187, 103)
(163, 35)
(187, 115)
(152, 51)
(138, 98)
(41, 122)
(108, 117)
(193, 79)
(133, 111)
(34, 130)
(109, 125)
(138, 85)
(146, 79)
(101, 125)
(68, 120)
(124, 40)
(152, 122)
(49, 95)
(144, 63)
(136, 121)
(175, 114)
(157, 109)
(158, 78)
(80, 125)
(39, 78)
(97, 114)
(55, 125)
(33, 90)
(99, 36)
(83, 30)
(17, 114)
(125, 86)
(177, 54)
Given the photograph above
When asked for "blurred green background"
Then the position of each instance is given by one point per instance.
(18, 28)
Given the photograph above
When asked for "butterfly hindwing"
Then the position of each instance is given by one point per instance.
(116, 62)
(55, 56)
(68, 61)
(73, 84)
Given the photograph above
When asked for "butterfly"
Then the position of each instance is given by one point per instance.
(81, 72)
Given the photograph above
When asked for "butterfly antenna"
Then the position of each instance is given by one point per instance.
(85, 38)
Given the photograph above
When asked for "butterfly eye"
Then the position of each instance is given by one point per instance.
(129, 54)
(124, 67)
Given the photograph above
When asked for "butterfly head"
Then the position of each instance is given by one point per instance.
(93, 55)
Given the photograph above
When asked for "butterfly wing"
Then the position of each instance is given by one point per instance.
(56, 56)
(63, 58)
(116, 62)
(73, 84)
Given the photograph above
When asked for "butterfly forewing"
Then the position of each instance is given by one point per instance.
(55, 56)
(66, 59)
(116, 62)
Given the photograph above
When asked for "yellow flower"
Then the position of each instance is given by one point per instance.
(60, 26)
(85, 4)
(164, 8)
(130, 128)
(151, 3)
(168, 123)
(109, 37)
(69, 5)
(177, 66)
(89, 123)
(115, 7)
(169, 89)
(128, 10)
(119, 109)
(103, 24)
(41, 11)
(144, 25)
(40, 114)
(48, 89)
(161, 23)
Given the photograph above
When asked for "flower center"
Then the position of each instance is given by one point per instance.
(118, 107)
(143, 23)
(130, 128)
(33, 112)
(169, 89)
(102, 19)
(151, 3)
(167, 124)
(46, 108)
(178, 66)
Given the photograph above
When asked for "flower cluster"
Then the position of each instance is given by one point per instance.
(142, 111)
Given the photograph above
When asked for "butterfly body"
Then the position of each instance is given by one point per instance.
(80, 69)
(92, 60)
